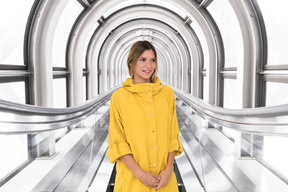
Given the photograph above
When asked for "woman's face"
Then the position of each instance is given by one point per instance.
(144, 67)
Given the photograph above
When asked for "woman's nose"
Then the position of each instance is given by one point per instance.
(148, 63)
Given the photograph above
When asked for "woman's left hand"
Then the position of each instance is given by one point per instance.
(164, 177)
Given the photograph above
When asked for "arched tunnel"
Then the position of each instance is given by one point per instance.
(226, 61)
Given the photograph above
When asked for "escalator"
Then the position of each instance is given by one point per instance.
(202, 167)
(86, 166)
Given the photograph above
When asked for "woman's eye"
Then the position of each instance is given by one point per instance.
(142, 59)
(153, 60)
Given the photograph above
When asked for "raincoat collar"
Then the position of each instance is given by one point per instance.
(142, 87)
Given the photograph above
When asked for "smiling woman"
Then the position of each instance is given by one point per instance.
(144, 135)
(144, 67)
(218, 56)
(142, 62)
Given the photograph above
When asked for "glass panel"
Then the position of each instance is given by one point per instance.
(205, 89)
(59, 93)
(60, 101)
(14, 152)
(60, 133)
(66, 21)
(277, 28)
(276, 93)
(230, 133)
(203, 42)
(84, 88)
(274, 153)
(232, 96)
(14, 91)
(13, 21)
(229, 27)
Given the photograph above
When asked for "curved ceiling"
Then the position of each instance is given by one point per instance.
(105, 30)
(170, 31)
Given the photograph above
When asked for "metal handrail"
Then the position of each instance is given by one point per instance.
(262, 120)
(18, 118)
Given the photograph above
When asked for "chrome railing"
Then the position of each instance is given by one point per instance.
(19, 118)
(262, 120)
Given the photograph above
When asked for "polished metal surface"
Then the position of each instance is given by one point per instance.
(190, 51)
(202, 166)
(215, 170)
(75, 172)
(190, 180)
(21, 118)
(101, 179)
(262, 120)
(18, 118)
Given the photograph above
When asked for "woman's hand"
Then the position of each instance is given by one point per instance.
(149, 179)
(165, 177)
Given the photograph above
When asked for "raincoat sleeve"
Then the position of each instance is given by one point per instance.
(117, 143)
(175, 142)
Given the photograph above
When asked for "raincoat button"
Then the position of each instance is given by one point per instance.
(149, 92)
(152, 114)
(154, 164)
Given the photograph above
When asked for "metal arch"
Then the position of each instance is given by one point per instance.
(121, 55)
(43, 24)
(135, 27)
(107, 32)
(104, 31)
(200, 15)
(196, 60)
(157, 33)
(83, 24)
(112, 25)
(213, 44)
(83, 29)
(165, 51)
(78, 37)
(218, 83)
(129, 37)
(155, 39)
(255, 52)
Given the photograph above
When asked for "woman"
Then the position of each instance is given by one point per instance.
(143, 132)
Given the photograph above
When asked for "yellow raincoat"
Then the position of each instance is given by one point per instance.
(143, 123)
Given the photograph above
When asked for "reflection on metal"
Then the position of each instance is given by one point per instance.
(255, 53)
(262, 120)
(84, 3)
(19, 118)
(205, 3)
(76, 170)
(102, 177)
(203, 166)
(215, 170)
(188, 175)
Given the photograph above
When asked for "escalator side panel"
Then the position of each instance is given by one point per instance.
(214, 170)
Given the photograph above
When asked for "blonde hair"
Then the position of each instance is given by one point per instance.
(135, 52)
